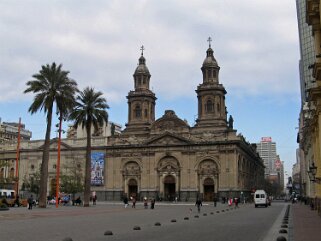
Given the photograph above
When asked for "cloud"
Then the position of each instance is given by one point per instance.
(255, 43)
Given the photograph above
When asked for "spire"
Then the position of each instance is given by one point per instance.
(209, 40)
(210, 67)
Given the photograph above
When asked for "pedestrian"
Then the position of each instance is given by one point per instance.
(236, 202)
(215, 201)
(126, 201)
(133, 202)
(145, 203)
(94, 199)
(17, 201)
(30, 202)
(152, 203)
(230, 202)
(176, 199)
(198, 204)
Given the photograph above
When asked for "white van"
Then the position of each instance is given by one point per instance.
(260, 198)
(7, 193)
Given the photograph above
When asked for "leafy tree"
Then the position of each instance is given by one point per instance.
(32, 182)
(51, 85)
(90, 110)
(72, 179)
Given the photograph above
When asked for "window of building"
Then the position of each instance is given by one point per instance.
(138, 111)
(11, 173)
(209, 106)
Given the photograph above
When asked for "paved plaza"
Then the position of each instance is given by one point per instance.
(176, 222)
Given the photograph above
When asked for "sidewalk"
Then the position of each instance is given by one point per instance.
(306, 223)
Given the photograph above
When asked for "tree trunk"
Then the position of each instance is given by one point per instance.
(44, 164)
(88, 167)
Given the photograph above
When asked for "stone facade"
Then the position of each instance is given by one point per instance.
(165, 158)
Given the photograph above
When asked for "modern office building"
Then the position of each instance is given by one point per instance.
(267, 151)
(307, 52)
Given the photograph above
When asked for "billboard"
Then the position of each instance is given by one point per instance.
(97, 168)
(266, 139)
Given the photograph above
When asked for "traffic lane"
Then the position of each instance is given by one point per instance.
(242, 224)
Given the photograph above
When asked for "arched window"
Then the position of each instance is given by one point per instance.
(209, 106)
(2, 173)
(11, 173)
(145, 112)
(138, 111)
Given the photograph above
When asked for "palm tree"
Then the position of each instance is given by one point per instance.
(51, 85)
(90, 110)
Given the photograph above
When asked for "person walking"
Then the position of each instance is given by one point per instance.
(17, 201)
(145, 203)
(126, 202)
(30, 202)
(236, 202)
(198, 204)
(215, 201)
(152, 203)
(94, 199)
(133, 202)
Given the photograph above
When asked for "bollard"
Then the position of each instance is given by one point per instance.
(108, 232)
(281, 238)
(67, 239)
(173, 220)
(204, 214)
(212, 213)
(157, 224)
(186, 218)
(283, 231)
(196, 216)
(136, 228)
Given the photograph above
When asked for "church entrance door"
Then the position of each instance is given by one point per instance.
(169, 188)
(132, 188)
(208, 189)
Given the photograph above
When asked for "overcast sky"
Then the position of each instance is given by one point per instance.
(255, 43)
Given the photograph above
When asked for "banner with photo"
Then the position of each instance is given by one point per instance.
(97, 168)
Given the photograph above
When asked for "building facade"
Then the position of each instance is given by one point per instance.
(267, 151)
(9, 132)
(310, 117)
(164, 158)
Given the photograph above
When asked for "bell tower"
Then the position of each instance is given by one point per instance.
(211, 95)
(141, 101)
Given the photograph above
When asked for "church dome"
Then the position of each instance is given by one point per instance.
(210, 61)
(142, 68)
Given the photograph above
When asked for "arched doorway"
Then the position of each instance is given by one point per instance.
(132, 188)
(208, 189)
(169, 188)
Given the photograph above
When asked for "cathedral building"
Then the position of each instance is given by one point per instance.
(162, 158)
(166, 158)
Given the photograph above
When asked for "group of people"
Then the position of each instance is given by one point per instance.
(145, 202)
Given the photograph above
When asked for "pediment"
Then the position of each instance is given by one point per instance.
(54, 145)
(168, 139)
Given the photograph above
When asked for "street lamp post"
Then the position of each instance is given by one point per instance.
(58, 162)
(17, 160)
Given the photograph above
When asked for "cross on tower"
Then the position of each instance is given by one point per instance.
(142, 49)
(209, 40)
